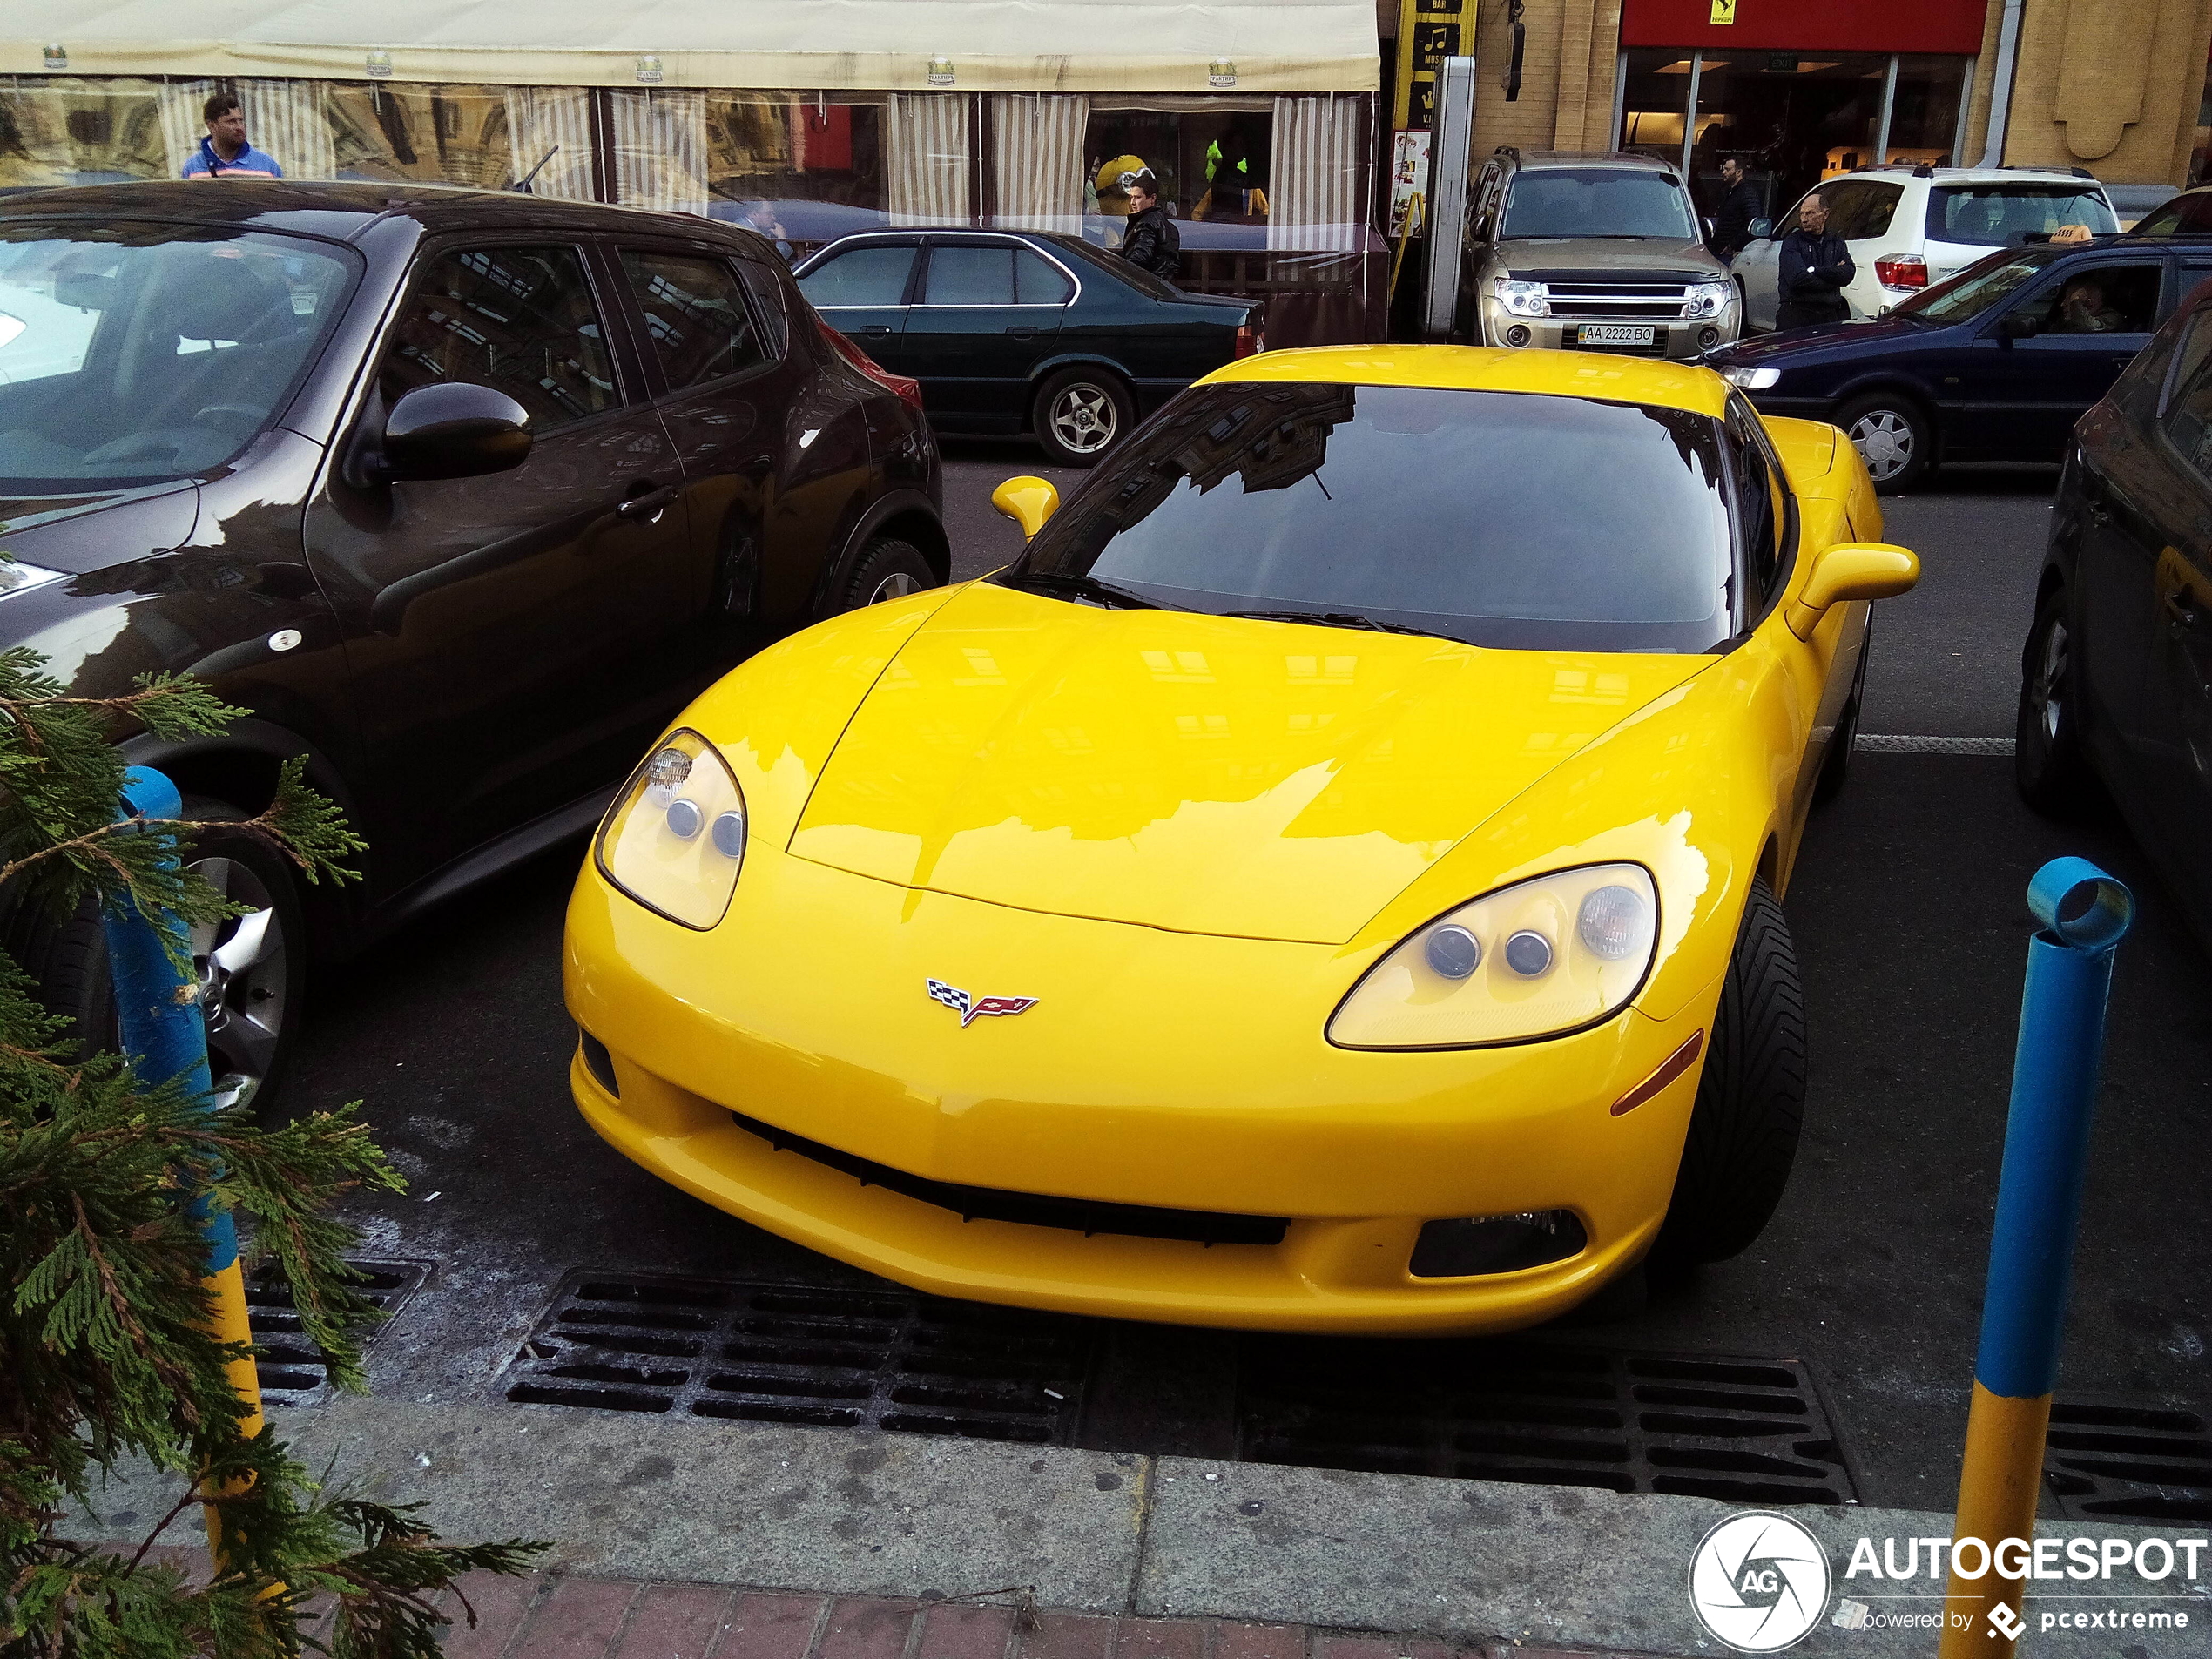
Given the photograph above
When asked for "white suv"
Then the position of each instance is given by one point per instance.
(1910, 228)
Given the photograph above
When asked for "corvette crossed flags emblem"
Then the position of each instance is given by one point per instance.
(972, 1009)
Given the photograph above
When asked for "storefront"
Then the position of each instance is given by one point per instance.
(1797, 93)
(805, 121)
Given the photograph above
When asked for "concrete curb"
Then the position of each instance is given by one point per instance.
(832, 1512)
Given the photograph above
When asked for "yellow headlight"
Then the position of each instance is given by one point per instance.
(676, 838)
(1534, 960)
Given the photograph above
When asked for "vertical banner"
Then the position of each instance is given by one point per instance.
(1428, 32)
(1408, 177)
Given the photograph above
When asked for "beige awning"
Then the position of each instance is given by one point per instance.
(982, 45)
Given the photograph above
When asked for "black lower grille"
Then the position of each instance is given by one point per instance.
(1657, 349)
(291, 1368)
(2108, 1459)
(784, 1353)
(989, 1203)
(1752, 1431)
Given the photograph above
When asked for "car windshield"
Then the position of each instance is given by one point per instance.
(1597, 201)
(2005, 215)
(131, 353)
(1974, 290)
(1468, 514)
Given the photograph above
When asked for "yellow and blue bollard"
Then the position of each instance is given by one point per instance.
(159, 1009)
(2083, 914)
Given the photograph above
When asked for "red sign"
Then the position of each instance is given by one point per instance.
(1810, 25)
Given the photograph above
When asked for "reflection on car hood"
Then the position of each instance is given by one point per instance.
(1205, 774)
(90, 529)
(1564, 259)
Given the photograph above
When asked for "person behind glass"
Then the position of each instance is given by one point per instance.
(1739, 205)
(1150, 240)
(1815, 266)
(223, 153)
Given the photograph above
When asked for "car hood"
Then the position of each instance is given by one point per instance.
(90, 529)
(1567, 258)
(1204, 774)
(1871, 334)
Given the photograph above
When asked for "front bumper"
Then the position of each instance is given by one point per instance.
(1674, 341)
(1156, 1069)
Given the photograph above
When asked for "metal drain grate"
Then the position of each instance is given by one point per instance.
(785, 1353)
(1754, 1431)
(290, 1368)
(2112, 1459)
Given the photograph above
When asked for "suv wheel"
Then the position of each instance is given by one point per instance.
(1894, 436)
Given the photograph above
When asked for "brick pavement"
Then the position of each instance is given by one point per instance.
(550, 1615)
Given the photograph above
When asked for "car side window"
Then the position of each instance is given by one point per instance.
(695, 315)
(518, 320)
(1761, 512)
(1038, 281)
(766, 287)
(875, 276)
(2187, 417)
(966, 274)
(1484, 203)
(1862, 209)
(2100, 299)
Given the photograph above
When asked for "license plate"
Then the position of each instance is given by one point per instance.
(1615, 334)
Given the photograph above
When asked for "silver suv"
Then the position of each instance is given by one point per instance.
(1592, 252)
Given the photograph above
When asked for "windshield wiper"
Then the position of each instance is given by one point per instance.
(1084, 587)
(1343, 619)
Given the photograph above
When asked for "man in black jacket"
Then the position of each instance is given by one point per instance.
(1739, 205)
(1815, 266)
(1149, 239)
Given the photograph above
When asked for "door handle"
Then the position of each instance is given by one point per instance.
(1022, 330)
(649, 504)
(873, 329)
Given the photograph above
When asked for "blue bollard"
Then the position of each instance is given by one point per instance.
(159, 1009)
(2084, 914)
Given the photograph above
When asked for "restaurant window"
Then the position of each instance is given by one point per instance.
(1214, 159)
(442, 134)
(805, 167)
(88, 130)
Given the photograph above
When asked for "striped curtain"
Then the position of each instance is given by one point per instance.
(1318, 166)
(538, 119)
(930, 157)
(1037, 161)
(286, 118)
(182, 125)
(660, 149)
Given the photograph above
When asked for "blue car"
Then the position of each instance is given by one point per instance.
(1995, 364)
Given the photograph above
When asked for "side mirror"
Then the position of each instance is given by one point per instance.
(2017, 324)
(1762, 230)
(1852, 570)
(1028, 501)
(457, 430)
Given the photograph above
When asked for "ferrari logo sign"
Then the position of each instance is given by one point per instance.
(1723, 10)
(971, 1009)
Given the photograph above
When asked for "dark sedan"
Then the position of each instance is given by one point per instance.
(1995, 364)
(1026, 331)
(461, 495)
(2116, 676)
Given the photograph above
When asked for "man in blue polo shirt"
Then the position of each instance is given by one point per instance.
(223, 153)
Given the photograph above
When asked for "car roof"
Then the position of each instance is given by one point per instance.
(344, 210)
(1478, 369)
(1896, 171)
(1533, 160)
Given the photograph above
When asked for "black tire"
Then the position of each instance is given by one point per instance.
(1895, 436)
(2049, 768)
(889, 569)
(1080, 414)
(1751, 1098)
(1835, 765)
(252, 1010)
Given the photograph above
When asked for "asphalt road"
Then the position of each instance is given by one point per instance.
(1911, 932)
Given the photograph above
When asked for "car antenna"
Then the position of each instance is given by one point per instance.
(523, 183)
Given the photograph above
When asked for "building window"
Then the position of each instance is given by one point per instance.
(1214, 159)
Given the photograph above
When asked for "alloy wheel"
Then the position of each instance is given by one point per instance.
(897, 585)
(239, 964)
(2050, 681)
(1884, 439)
(1085, 419)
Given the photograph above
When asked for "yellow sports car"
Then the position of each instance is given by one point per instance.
(1327, 883)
